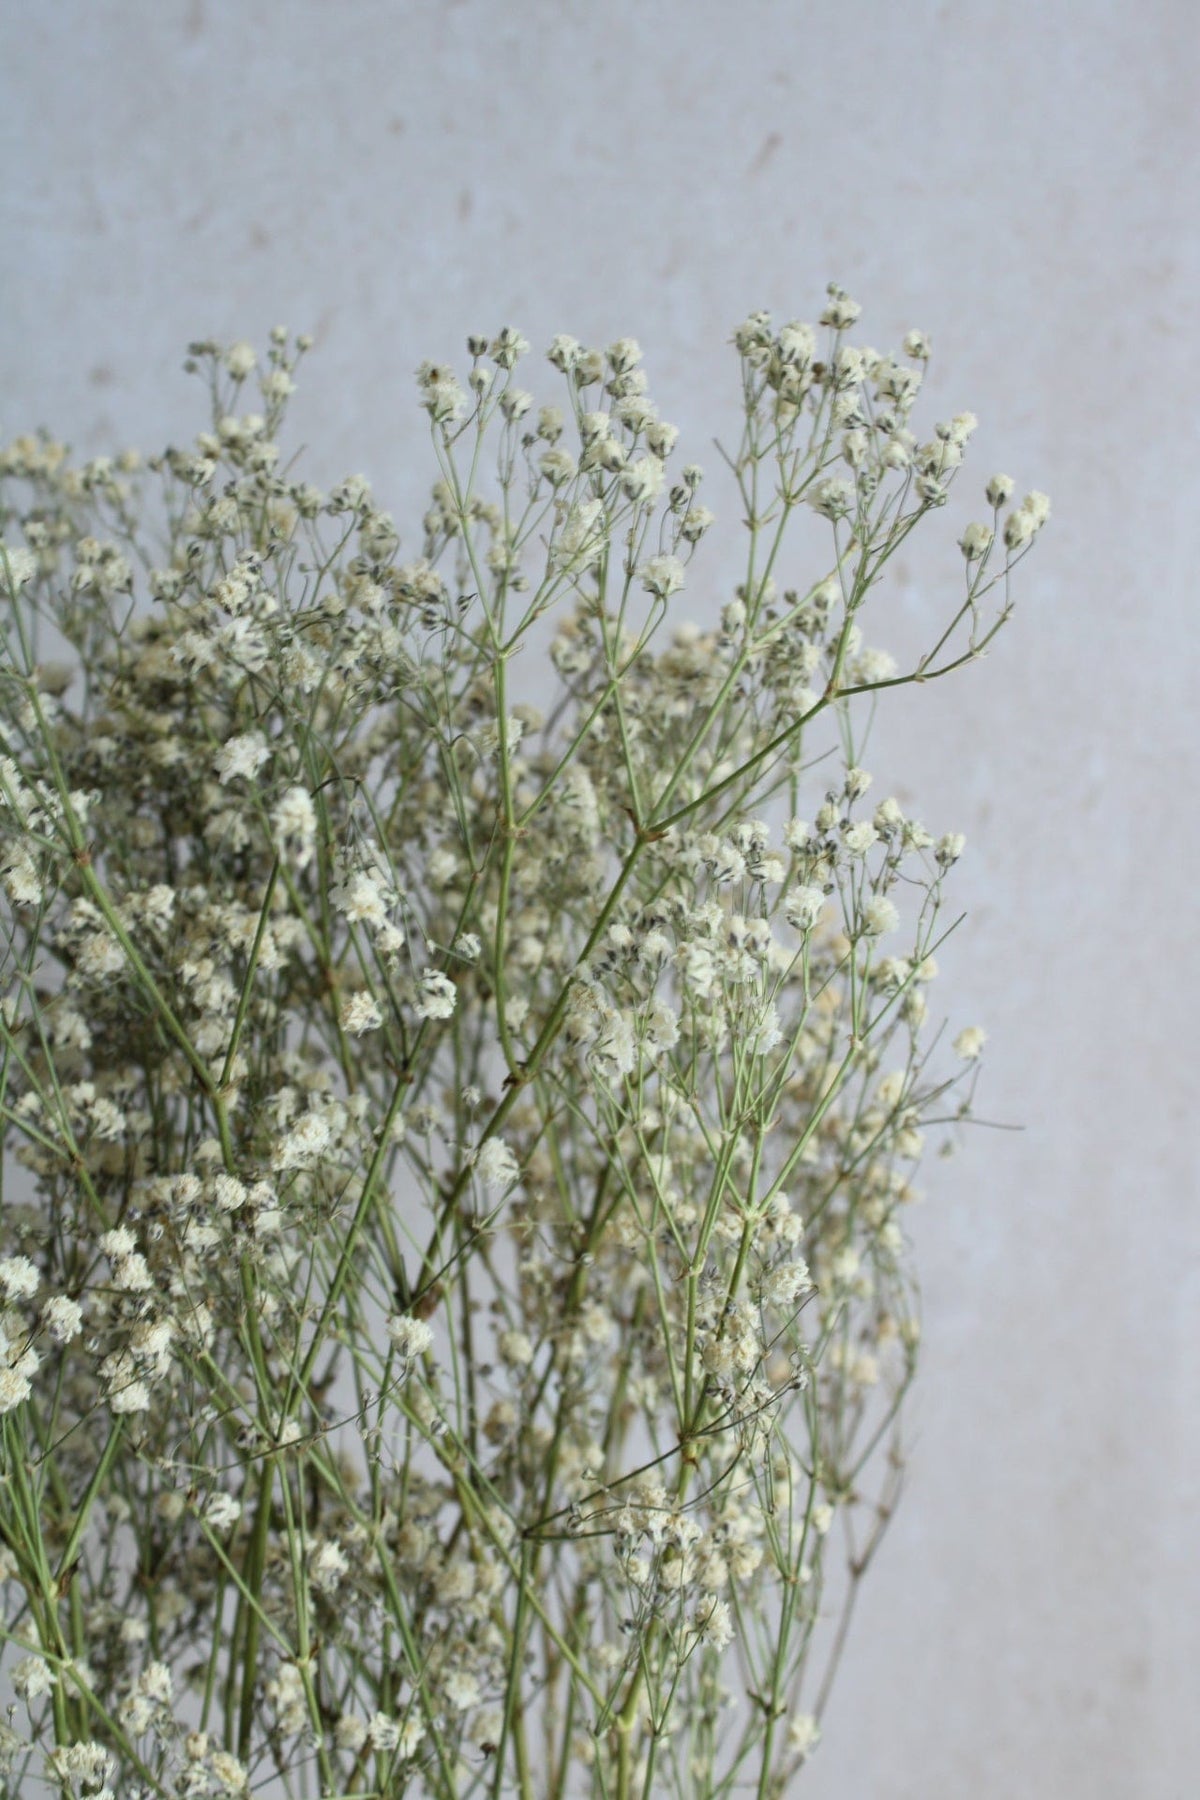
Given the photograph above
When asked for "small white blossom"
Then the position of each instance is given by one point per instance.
(411, 1336)
(582, 536)
(461, 1690)
(241, 756)
(17, 565)
(16, 1382)
(229, 1773)
(383, 1733)
(860, 836)
(802, 907)
(714, 1623)
(32, 1677)
(360, 1014)
(879, 915)
(969, 1042)
(564, 352)
(441, 395)
(295, 826)
(515, 1348)
(18, 1277)
(327, 1566)
(222, 1511)
(804, 1734)
(241, 360)
(662, 576)
(507, 347)
(495, 1164)
(437, 996)
(63, 1318)
(360, 897)
(976, 541)
(132, 1397)
(304, 1142)
(832, 497)
(783, 1286)
(350, 1733)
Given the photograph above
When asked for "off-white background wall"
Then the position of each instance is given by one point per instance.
(1020, 180)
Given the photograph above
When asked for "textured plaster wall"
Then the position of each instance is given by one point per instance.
(1020, 180)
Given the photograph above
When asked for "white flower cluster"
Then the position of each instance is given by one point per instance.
(463, 1142)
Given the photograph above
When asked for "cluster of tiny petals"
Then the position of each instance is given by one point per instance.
(445, 1090)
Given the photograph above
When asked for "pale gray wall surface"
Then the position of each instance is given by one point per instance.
(1020, 180)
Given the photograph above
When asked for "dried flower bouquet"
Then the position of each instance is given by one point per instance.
(463, 1061)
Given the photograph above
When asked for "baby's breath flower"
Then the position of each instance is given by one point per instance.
(361, 898)
(461, 1690)
(642, 479)
(859, 837)
(241, 359)
(241, 756)
(32, 1677)
(662, 576)
(276, 385)
(841, 311)
(879, 916)
(1026, 521)
(63, 1318)
(327, 1566)
(350, 1733)
(411, 1337)
(222, 1511)
(441, 395)
(515, 403)
(802, 906)
(969, 1042)
(558, 465)
(623, 354)
(361, 1013)
(295, 826)
(129, 1397)
(784, 1285)
(17, 565)
(228, 1773)
(516, 1348)
(580, 541)
(16, 1380)
(714, 1623)
(661, 438)
(384, 1732)
(976, 541)
(804, 1734)
(564, 353)
(18, 1277)
(832, 497)
(507, 347)
(307, 1139)
(437, 996)
(695, 522)
(495, 1164)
